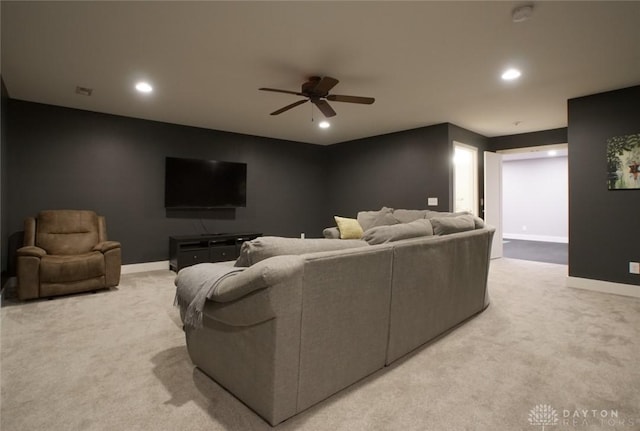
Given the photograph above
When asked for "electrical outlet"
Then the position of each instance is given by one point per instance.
(432, 202)
(302, 235)
(634, 267)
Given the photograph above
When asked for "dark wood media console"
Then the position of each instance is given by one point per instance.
(186, 250)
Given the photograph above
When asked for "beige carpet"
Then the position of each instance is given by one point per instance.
(116, 360)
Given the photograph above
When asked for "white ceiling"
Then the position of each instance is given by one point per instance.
(424, 62)
(540, 152)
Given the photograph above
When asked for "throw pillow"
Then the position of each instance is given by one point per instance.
(382, 234)
(265, 247)
(349, 228)
(384, 219)
(479, 223)
(447, 225)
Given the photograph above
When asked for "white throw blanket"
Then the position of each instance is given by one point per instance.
(196, 284)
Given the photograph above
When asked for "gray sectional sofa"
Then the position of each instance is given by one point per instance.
(298, 320)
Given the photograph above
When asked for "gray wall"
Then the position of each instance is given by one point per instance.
(66, 158)
(604, 225)
(531, 139)
(398, 170)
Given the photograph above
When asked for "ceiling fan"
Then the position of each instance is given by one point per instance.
(316, 90)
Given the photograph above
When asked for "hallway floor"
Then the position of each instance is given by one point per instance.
(549, 252)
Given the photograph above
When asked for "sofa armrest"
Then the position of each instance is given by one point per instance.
(105, 246)
(331, 233)
(263, 274)
(31, 250)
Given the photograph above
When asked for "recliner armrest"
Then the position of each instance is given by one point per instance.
(106, 246)
(31, 250)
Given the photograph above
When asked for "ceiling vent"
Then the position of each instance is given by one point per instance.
(84, 91)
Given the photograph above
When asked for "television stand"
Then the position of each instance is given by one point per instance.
(187, 250)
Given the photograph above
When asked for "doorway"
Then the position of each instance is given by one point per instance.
(535, 204)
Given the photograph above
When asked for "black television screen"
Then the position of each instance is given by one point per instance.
(195, 183)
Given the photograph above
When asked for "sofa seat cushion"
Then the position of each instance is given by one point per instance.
(61, 269)
(264, 247)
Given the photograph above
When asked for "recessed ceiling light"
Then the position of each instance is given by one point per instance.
(552, 153)
(324, 125)
(144, 87)
(511, 74)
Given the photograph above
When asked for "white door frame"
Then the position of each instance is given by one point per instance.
(493, 199)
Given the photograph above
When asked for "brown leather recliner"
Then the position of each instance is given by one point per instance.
(66, 251)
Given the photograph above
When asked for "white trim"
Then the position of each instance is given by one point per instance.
(543, 238)
(133, 268)
(604, 286)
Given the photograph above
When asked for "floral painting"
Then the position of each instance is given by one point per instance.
(623, 162)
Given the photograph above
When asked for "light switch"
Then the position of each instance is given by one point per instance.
(432, 202)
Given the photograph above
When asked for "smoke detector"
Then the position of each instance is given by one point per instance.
(522, 13)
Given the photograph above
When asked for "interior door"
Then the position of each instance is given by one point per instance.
(493, 198)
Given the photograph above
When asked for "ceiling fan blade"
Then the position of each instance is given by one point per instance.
(351, 99)
(324, 107)
(324, 85)
(286, 108)
(281, 91)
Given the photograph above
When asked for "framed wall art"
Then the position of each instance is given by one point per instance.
(623, 162)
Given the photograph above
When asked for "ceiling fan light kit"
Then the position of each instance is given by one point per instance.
(316, 90)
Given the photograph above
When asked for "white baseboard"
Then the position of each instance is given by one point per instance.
(543, 238)
(604, 286)
(145, 267)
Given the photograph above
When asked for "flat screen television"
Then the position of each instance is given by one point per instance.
(196, 183)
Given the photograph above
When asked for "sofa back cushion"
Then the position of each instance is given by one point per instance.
(407, 216)
(67, 231)
(448, 225)
(382, 217)
(265, 247)
(382, 234)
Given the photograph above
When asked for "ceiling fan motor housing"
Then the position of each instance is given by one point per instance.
(316, 90)
(310, 85)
